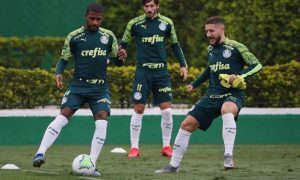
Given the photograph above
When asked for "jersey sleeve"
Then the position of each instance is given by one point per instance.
(250, 60)
(114, 46)
(175, 44)
(173, 36)
(60, 66)
(179, 54)
(127, 36)
(66, 53)
(114, 49)
(201, 78)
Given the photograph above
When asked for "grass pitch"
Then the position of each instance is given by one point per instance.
(200, 162)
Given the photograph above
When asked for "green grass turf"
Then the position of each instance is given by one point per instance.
(200, 162)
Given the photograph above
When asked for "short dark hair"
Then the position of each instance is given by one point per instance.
(146, 1)
(94, 7)
(215, 20)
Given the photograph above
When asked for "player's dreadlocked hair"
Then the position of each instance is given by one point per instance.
(94, 7)
(146, 1)
(215, 20)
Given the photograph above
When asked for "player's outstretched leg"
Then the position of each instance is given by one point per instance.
(180, 147)
(49, 137)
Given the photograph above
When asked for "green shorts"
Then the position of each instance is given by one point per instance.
(76, 96)
(157, 82)
(209, 108)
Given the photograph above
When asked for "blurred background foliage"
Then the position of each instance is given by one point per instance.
(274, 86)
(33, 33)
(270, 29)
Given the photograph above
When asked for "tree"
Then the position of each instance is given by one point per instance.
(268, 28)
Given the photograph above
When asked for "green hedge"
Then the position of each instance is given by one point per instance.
(274, 86)
(28, 53)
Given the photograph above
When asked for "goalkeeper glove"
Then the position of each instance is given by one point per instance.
(224, 80)
(239, 82)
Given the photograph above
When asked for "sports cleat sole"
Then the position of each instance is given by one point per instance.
(38, 160)
(39, 163)
(229, 168)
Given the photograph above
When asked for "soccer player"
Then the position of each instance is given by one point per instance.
(90, 46)
(225, 72)
(151, 32)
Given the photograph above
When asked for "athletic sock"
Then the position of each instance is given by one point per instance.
(98, 139)
(52, 133)
(166, 126)
(180, 147)
(135, 129)
(229, 132)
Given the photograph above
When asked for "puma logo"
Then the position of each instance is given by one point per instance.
(144, 26)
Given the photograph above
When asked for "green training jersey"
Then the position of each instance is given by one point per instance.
(151, 36)
(229, 57)
(90, 51)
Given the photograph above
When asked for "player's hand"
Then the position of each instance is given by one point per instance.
(225, 80)
(122, 53)
(231, 77)
(184, 72)
(59, 81)
(238, 82)
(190, 88)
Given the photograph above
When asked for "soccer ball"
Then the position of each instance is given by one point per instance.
(83, 165)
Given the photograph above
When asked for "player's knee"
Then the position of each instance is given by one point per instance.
(139, 108)
(189, 125)
(67, 112)
(229, 107)
(101, 115)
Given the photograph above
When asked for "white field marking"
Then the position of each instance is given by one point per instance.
(84, 177)
(53, 112)
(39, 171)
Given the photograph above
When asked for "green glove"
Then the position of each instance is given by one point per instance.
(239, 83)
(224, 80)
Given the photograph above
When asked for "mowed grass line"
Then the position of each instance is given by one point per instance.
(200, 162)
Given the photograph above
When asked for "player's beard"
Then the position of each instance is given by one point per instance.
(151, 14)
(217, 40)
(92, 28)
